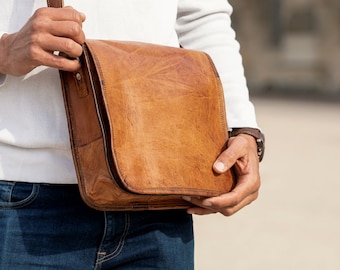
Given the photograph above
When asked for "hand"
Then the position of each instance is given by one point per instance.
(241, 151)
(47, 31)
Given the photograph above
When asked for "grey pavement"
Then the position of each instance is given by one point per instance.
(295, 223)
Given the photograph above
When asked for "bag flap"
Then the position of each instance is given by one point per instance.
(164, 121)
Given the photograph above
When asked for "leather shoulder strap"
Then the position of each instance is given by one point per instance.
(55, 3)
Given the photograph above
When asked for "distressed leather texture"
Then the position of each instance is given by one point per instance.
(146, 124)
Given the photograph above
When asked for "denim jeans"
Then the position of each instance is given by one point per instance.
(49, 227)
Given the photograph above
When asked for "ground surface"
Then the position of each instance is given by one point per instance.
(295, 223)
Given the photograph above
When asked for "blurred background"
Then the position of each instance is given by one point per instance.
(290, 45)
(291, 52)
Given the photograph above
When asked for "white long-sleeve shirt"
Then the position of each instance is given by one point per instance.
(34, 141)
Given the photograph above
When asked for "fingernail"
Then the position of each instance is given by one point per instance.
(219, 166)
(207, 203)
(186, 198)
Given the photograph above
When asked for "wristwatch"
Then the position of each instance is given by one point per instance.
(254, 132)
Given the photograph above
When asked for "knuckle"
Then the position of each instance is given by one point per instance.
(37, 25)
(75, 29)
(233, 155)
(39, 22)
(39, 12)
(33, 53)
(58, 63)
(69, 45)
(67, 65)
(256, 183)
(75, 15)
(235, 201)
(242, 142)
(230, 155)
(227, 212)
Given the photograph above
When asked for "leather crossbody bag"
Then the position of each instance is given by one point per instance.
(146, 124)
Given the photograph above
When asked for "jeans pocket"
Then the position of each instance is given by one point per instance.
(15, 195)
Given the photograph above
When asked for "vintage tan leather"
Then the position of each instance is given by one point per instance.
(146, 125)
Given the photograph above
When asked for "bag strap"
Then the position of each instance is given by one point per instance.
(55, 3)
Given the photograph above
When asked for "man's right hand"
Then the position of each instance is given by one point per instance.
(47, 31)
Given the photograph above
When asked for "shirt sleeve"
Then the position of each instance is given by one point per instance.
(2, 76)
(206, 26)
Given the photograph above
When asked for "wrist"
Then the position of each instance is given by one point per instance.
(256, 134)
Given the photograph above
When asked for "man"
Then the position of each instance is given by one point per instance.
(43, 222)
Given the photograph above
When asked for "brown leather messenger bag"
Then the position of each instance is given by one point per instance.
(146, 124)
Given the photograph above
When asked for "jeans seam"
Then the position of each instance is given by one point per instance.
(20, 204)
(120, 245)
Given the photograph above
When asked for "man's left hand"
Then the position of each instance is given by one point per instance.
(242, 154)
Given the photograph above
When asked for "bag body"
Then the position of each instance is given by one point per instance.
(146, 124)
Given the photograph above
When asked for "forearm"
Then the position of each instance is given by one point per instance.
(206, 25)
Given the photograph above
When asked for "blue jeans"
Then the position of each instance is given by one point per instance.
(49, 227)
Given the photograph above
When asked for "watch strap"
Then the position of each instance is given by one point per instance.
(55, 3)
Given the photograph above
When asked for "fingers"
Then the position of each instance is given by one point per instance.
(60, 62)
(41, 53)
(225, 208)
(64, 23)
(243, 194)
(66, 36)
(200, 211)
(242, 155)
(67, 22)
(229, 203)
(47, 31)
(67, 29)
(62, 14)
(61, 44)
